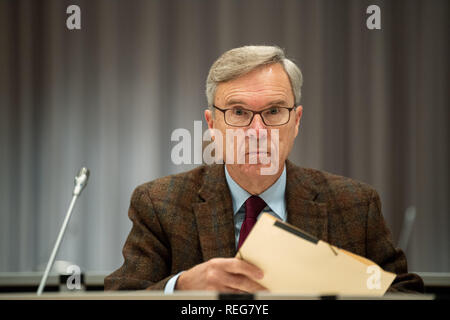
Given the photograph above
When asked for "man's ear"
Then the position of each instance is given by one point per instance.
(298, 115)
(209, 118)
(209, 121)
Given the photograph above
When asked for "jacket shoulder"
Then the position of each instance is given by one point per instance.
(328, 186)
(173, 186)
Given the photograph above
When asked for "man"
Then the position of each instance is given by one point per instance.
(187, 227)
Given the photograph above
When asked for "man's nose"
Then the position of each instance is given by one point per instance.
(257, 123)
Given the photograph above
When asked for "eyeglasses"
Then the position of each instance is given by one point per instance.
(240, 117)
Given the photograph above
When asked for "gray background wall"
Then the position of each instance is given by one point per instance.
(376, 108)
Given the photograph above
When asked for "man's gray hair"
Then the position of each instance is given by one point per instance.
(239, 61)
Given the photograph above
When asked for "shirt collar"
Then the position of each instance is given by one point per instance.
(274, 196)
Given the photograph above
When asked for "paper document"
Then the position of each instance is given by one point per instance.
(294, 261)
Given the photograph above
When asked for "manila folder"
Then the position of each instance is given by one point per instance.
(294, 261)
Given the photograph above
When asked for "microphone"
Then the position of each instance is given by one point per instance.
(80, 183)
(405, 232)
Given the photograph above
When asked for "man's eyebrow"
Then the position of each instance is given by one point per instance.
(278, 102)
(232, 102)
(274, 102)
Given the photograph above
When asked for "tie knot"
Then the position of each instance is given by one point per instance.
(253, 206)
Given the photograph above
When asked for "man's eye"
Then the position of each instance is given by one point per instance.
(238, 112)
(274, 110)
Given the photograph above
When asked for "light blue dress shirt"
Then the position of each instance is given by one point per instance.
(276, 206)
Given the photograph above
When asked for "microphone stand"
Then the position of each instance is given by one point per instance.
(80, 183)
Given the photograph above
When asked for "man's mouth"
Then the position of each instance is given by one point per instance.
(257, 153)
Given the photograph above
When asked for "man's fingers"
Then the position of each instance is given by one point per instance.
(240, 282)
(238, 266)
(234, 274)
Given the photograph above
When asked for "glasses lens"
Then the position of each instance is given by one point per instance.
(238, 117)
(276, 116)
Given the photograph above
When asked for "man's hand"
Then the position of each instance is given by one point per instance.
(222, 274)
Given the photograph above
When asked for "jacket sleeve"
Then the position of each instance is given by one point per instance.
(146, 252)
(380, 249)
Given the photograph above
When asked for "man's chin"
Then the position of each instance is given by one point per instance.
(258, 169)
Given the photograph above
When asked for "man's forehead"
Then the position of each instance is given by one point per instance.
(269, 83)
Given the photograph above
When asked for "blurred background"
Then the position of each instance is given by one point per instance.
(108, 96)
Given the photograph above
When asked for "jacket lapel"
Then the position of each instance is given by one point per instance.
(214, 215)
(303, 210)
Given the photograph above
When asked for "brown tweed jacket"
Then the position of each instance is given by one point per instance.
(185, 219)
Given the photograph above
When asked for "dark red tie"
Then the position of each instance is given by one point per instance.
(253, 207)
